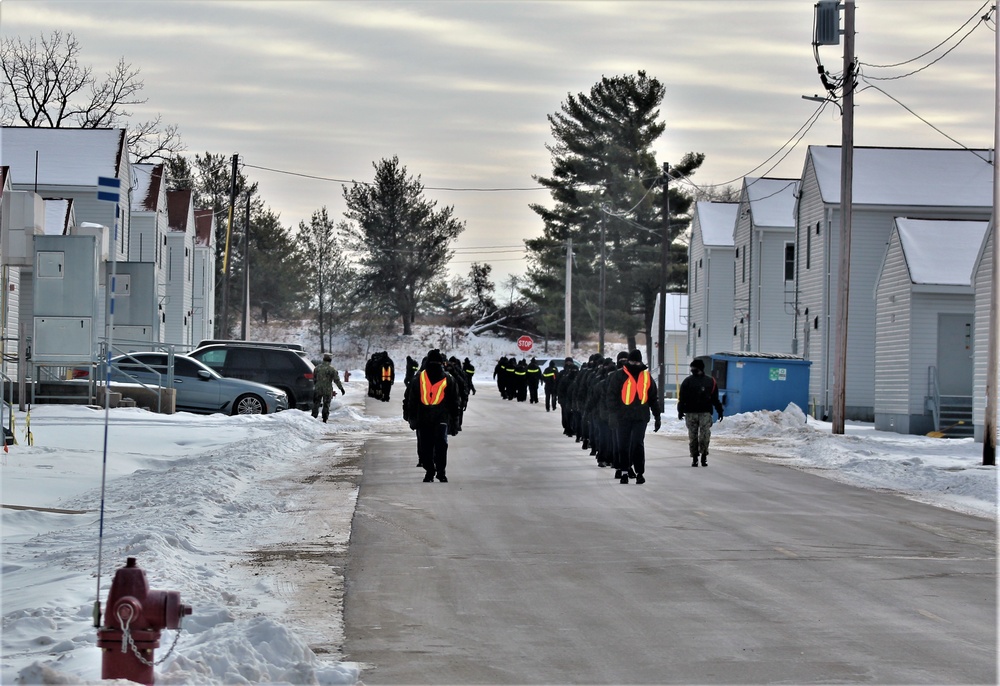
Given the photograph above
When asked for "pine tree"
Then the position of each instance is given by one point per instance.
(605, 178)
(403, 242)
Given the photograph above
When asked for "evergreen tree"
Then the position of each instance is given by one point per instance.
(276, 272)
(403, 242)
(605, 181)
(329, 281)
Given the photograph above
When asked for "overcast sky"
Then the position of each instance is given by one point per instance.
(460, 91)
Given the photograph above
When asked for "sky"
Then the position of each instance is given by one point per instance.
(460, 91)
(187, 495)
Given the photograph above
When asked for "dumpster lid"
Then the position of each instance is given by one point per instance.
(764, 356)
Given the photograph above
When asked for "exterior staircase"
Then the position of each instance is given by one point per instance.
(955, 409)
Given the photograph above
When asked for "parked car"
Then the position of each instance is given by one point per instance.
(198, 387)
(279, 367)
(291, 346)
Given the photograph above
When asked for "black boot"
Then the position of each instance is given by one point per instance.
(704, 460)
(694, 461)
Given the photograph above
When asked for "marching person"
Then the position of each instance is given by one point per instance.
(386, 374)
(632, 397)
(550, 377)
(430, 406)
(470, 371)
(325, 376)
(534, 377)
(697, 396)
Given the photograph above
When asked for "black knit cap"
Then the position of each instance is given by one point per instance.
(635, 356)
(698, 364)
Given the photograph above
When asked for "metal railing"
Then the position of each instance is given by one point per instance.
(933, 400)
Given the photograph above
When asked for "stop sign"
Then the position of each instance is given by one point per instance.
(524, 343)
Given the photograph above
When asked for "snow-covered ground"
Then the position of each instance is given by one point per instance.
(206, 503)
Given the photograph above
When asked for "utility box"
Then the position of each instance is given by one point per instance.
(66, 302)
(759, 381)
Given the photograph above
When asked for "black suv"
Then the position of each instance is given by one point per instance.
(279, 367)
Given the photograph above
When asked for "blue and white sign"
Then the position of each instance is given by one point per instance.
(108, 188)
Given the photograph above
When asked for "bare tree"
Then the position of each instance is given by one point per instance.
(45, 86)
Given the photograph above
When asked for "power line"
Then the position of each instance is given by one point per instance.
(983, 19)
(953, 140)
(932, 62)
(369, 183)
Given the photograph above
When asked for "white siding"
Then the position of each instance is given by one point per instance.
(773, 320)
(983, 296)
(893, 392)
(697, 289)
(812, 235)
(742, 278)
(717, 335)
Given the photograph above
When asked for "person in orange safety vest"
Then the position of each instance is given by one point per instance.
(431, 407)
(632, 396)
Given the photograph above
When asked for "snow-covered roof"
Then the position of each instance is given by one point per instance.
(58, 216)
(677, 309)
(179, 209)
(66, 157)
(908, 176)
(940, 251)
(204, 227)
(772, 201)
(146, 180)
(716, 220)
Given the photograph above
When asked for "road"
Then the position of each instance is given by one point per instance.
(532, 566)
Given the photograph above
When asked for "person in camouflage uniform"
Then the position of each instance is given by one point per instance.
(325, 376)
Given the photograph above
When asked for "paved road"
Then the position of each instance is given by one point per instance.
(532, 566)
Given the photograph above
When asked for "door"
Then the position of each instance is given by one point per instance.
(193, 391)
(954, 354)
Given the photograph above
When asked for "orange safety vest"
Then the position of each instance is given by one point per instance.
(386, 373)
(432, 393)
(636, 387)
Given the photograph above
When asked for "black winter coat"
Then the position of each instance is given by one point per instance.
(698, 393)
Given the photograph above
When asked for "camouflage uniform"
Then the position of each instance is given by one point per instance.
(324, 377)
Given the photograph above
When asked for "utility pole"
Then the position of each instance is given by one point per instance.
(224, 327)
(569, 298)
(846, 206)
(661, 354)
(990, 415)
(246, 271)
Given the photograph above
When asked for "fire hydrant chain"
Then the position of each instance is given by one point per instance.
(127, 641)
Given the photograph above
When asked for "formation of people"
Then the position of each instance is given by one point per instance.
(606, 407)
(518, 380)
(434, 403)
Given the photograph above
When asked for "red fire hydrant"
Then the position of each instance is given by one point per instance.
(133, 619)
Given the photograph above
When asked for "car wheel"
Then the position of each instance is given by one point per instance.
(249, 404)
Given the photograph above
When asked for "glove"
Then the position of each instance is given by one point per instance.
(680, 415)
(720, 416)
(656, 425)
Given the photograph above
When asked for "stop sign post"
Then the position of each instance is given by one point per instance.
(524, 343)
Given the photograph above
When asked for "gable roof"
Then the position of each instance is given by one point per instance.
(146, 181)
(941, 252)
(717, 220)
(772, 201)
(178, 206)
(914, 177)
(65, 157)
(204, 225)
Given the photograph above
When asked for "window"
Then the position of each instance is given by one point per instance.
(789, 262)
(809, 243)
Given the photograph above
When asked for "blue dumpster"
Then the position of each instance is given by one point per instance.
(759, 381)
